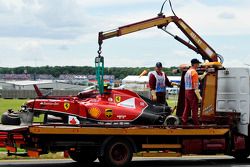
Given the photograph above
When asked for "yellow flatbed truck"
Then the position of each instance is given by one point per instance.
(115, 146)
(224, 116)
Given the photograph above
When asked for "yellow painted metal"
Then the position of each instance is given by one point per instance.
(158, 21)
(162, 21)
(110, 34)
(160, 154)
(196, 38)
(209, 96)
(145, 25)
(163, 146)
(124, 131)
(213, 64)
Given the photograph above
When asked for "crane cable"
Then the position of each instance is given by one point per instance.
(171, 7)
(170, 4)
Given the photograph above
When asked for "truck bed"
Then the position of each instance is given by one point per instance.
(135, 130)
(115, 130)
(41, 139)
(11, 128)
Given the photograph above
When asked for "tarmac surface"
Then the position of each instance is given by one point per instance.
(197, 161)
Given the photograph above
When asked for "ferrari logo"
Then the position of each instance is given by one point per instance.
(118, 99)
(66, 105)
(108, 113)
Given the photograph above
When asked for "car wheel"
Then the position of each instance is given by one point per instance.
(171, 120)
(10, 119)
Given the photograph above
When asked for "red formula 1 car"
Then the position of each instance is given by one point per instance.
(115, 106)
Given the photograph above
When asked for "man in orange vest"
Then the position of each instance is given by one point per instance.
(158, 81)
(192, 92)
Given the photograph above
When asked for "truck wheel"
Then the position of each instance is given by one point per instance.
(84, 157)
(241, 155)
(117, 152)
(101, 159)
(10, 119)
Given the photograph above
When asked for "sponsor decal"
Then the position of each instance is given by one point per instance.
(209, 109)
(129, 103)
(49, 104)
(118, 99)
(94, 112)
(108, 113)
(121, 116)
(110, 99)
(66, 105)
(73, 120)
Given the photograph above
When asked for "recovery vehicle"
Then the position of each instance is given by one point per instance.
(112, 124)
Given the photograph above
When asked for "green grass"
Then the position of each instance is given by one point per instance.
(14, 104)
(172, 102)
(18, 150)
(2, 149)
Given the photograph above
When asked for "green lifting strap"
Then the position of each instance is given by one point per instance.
(99, 68)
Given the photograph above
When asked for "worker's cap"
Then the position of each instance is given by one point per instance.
(158, 64)
(195, 61)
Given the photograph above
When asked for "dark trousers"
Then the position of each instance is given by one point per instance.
(161, 98)
(191, 103)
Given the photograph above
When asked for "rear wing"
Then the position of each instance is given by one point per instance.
(38, 92)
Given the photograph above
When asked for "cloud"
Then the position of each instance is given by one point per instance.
(42, 19)
(57, 19)
(29, 46)
(227, 15)
(108, 3)
(70, 19)
(61, 14)
(210, 19)
(60, 29)
(63, 47)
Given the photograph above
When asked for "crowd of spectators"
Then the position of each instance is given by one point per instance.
(50, 77)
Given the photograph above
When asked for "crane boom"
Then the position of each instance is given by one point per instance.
(161, 21)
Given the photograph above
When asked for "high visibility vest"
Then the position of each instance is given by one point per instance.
(191, 79)
(160, 85)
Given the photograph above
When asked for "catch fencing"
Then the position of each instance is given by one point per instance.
(29, 94)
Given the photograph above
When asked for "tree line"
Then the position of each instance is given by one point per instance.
(55, 71)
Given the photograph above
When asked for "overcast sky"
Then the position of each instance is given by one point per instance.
(64, 32)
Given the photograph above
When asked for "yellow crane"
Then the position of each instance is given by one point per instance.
(196, 44)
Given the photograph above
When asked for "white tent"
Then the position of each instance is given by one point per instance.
(135, 79)
(144, 79)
